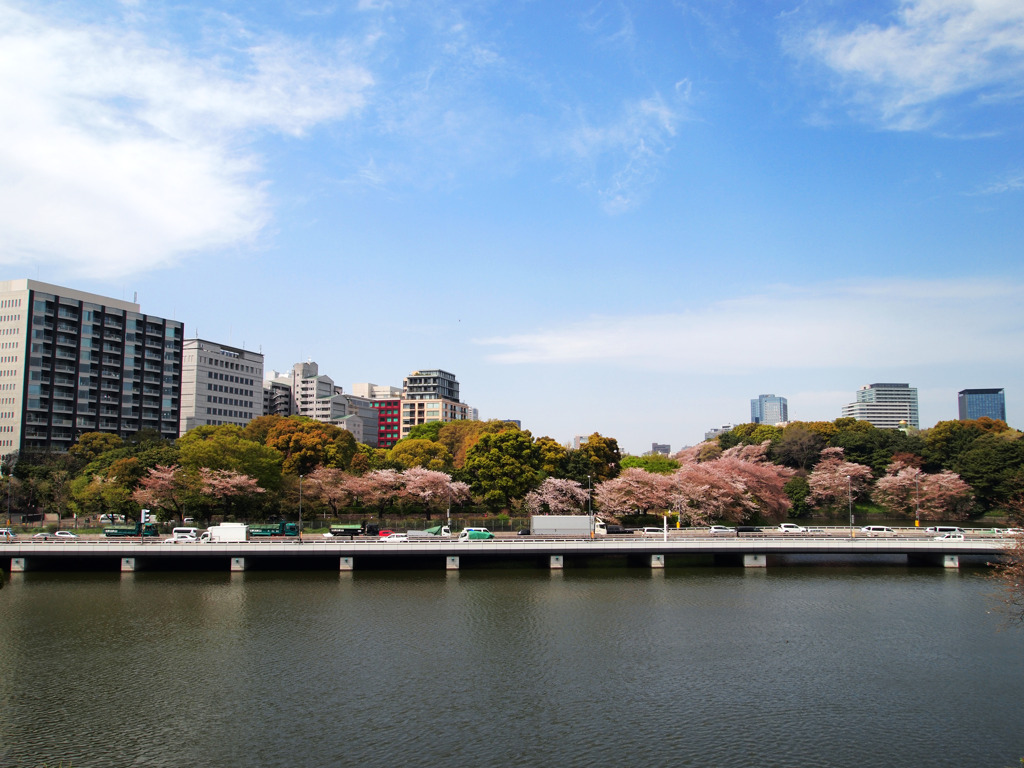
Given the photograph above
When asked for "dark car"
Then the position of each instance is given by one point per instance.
(748, 529)
(523, 532)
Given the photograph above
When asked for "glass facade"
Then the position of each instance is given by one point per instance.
(976, 403)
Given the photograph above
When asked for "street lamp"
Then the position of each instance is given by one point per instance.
(300, 509)
(917, 512)
(590, 507)
(849, 493)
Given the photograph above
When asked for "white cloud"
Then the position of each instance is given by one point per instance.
(868, 325)
(931, 51)
(119, 156)
(622, 157)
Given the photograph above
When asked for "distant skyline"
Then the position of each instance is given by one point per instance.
(609, 217)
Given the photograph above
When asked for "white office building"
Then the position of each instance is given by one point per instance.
(886, 406)
(219, 385)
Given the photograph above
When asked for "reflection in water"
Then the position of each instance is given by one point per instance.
(791, 666)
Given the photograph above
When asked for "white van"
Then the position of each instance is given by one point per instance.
(185, 533)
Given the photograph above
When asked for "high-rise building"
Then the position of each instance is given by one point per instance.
(886, 406)
(219, 385)
(74, 362)
(769, 409)
(975, 403)
(663, 448)
(430, 396)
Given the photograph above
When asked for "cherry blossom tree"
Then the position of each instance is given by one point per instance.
(167, 489)
(634, 490)
(731, 489)
(906, 489)
(229, 487)
(557, 497)
(328, 485)
(432, 489)
(379, 488)
(834, 481)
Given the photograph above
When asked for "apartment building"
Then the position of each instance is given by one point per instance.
(220, 384)
(74, 362)
(431, 395)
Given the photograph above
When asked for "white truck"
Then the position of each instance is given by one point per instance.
(225, 533)
(437, 532)
(566, 525)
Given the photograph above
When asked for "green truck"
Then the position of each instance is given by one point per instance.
(149, 529)
(347, 529)
(274, 529)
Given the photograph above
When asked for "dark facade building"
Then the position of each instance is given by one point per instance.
(975, 403)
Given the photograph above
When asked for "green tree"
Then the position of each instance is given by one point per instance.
(307, 444)
(554, 458)
(654, 463)
(503, 466)
(799, 446)
(413, 452)
(228, 448)
(797, 489)
(91, 444)
(602, 454)
(428, 431)
(991, 466)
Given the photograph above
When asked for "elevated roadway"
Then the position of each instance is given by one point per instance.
(346, 554)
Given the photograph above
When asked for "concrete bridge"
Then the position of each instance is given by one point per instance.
(346, 555)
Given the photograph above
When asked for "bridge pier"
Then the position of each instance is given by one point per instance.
(346, 564)
(451, 563)
(18, 565)
(128, 565)
(557, 562)
(657, 561)
(943, 561)
(237, 563)
(755, 561)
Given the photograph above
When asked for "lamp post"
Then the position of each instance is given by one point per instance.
(917, 511)
(300, 509)
(590, 506)
(849, 493)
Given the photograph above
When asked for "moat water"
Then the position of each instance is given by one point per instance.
(851, 665)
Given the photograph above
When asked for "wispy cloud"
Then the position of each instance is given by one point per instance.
(121, 155)
(856, 325)
(904, 71)
(620, 158)
(1013, 182)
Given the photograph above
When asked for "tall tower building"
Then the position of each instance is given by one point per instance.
(74, 362)
(975, 403)
(769, 409)
(219, 385)
(886, 406)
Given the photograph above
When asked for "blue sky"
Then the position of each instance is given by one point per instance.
(621, 217)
